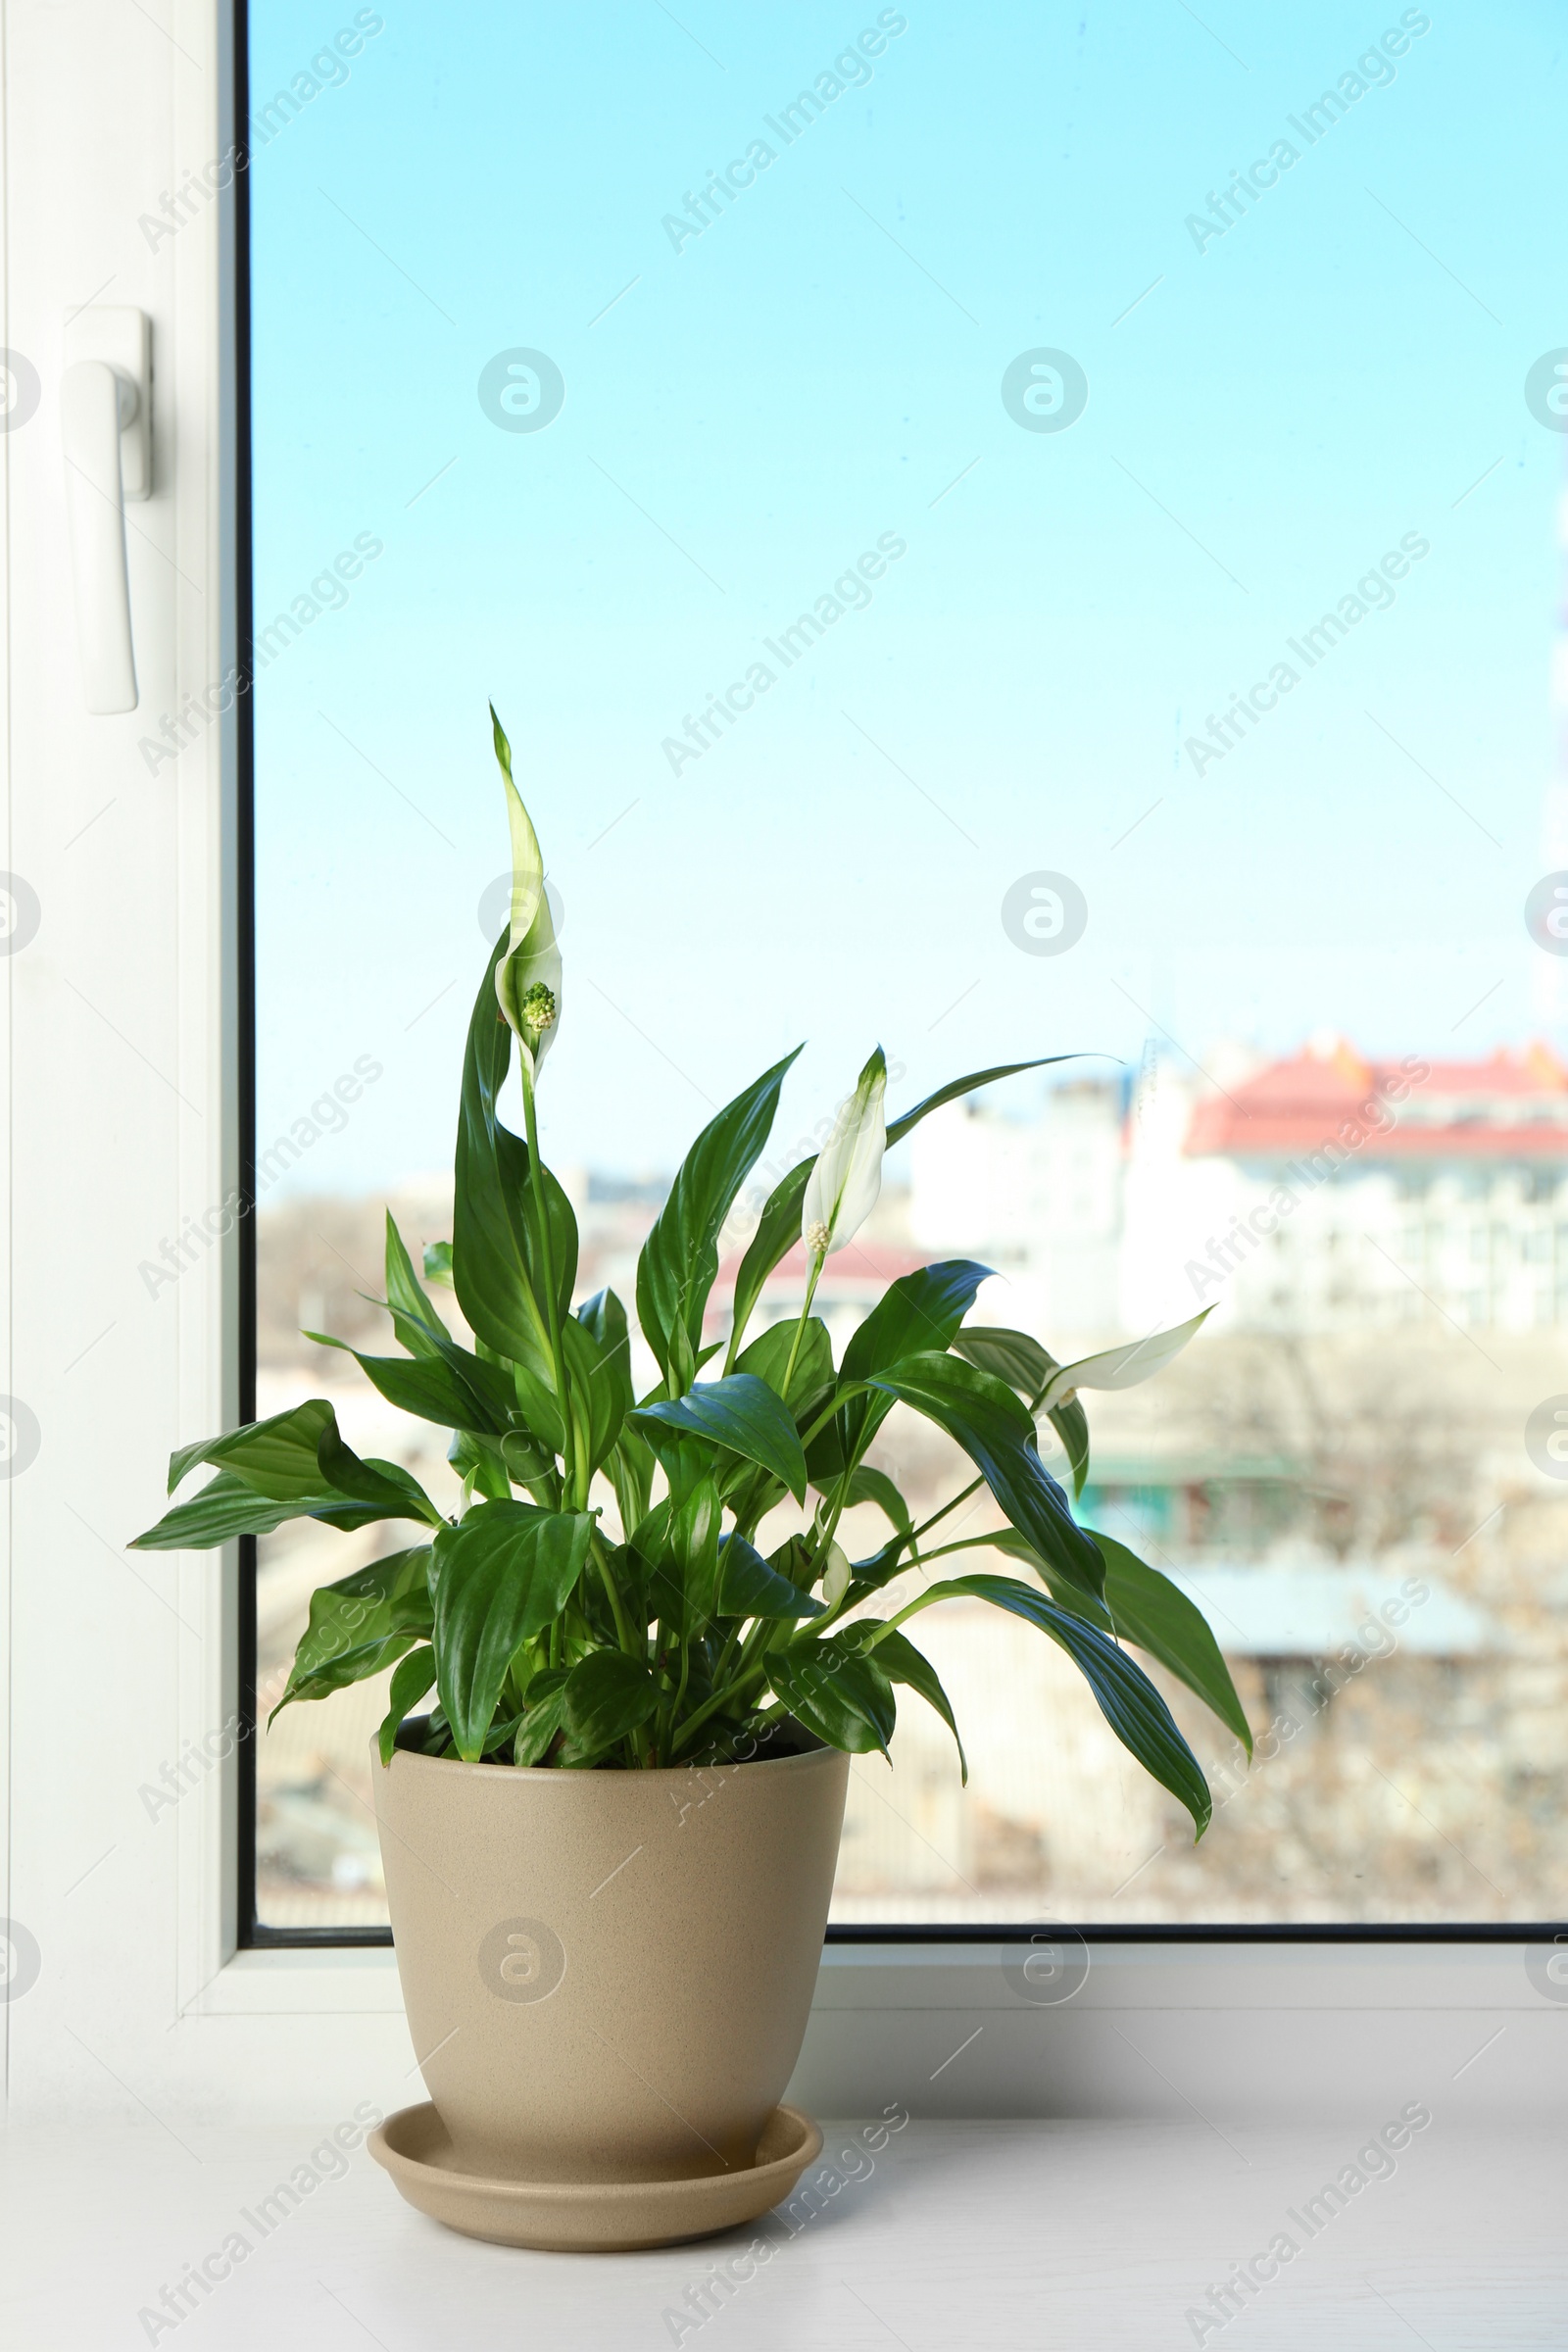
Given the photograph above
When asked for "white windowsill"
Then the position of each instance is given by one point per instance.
(954, 2234)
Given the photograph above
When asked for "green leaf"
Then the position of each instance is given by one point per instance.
(749, 1588)
(544, 1706)
(298, 1457)
(874, 1486)
(1123, 1693)
(775, 1235)
(998, 1437)
(1063, 1592)
(493, 1246)
(415, 1321)
(607, 1695)
(901, 1662)
(695, 1522)
(359, 1625)
(605, 1318)
(228, 1508)
(501, 1577)
(770, 1353)
(844, 1698)
(742, 1414)
(1019, 1360)
(1010, 1355)
(438, 1263)
(276, 1458)
(680, 1256)
(630, 1471)
(916, 1315)
(373, 1482)
(433, 1389)
(411, 1680)
(1148, 1609)
(600, 1386)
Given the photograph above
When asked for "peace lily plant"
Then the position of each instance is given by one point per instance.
(556, 1632)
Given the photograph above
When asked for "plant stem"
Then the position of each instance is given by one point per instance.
(817, 1264)
(624, 1631)
(711, 1706)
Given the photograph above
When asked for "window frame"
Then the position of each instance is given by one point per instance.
(205, 2011)
(253, 1935)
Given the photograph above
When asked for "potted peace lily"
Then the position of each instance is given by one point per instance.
(609, 1842)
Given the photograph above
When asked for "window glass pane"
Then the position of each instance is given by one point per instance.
(1004, 535)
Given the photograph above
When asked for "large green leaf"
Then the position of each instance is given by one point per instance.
(607, 1695)
(501, 1577)
(387, 1485)
(916, 1315)
(411, 1680)
(696, 1521)
(600, 1383)
(605, 1318)
(276, 1458)
(1123, 1693)
(432, 1389)
(742, 1414)
(544, 1708)
(901, 1662)
(844, 1698)
(770, 1353)
(998, 1435)
(875, 1486)
(418, 1325)
(1148, 1609)
(748, 1587)
(680, 1256)
(780, 1226)
(1021, 1361)
(359, 1625)
(297, 1457)
(493, 1243)
(226, 1507)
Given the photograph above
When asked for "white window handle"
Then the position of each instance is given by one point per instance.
(104, 402)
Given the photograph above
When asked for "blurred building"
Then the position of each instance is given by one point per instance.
(1325, 1191)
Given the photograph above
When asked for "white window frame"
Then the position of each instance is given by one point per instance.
(122, 1120)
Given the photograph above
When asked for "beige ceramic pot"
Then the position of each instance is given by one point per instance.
(607, 1974)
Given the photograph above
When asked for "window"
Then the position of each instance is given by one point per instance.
(892, 477)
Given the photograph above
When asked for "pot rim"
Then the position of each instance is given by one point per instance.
(509, 1775)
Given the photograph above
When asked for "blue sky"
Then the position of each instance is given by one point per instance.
(820, 368)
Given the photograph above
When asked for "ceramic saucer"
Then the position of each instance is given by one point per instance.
(598, 2217)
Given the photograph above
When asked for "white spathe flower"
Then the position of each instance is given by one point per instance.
(841, 1189)
(1121, 1367)
(528, 974)
(836, 1575)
